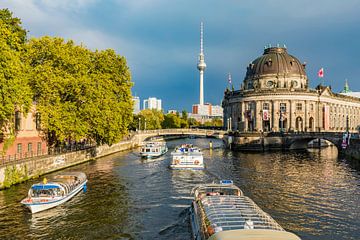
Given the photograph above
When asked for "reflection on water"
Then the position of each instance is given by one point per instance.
(313, 194)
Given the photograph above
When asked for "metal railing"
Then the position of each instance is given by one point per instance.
(19, 157)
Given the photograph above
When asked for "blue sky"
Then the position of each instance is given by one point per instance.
(160, 39)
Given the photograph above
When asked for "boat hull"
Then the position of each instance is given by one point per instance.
(153, 155)
(41, 206)
(194, 222)
(186, 167)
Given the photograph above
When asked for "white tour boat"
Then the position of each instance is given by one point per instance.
(153, 149)
(221, 211)
(60, 189)
(187, 156)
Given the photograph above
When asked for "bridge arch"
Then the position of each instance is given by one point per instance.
(302, 143)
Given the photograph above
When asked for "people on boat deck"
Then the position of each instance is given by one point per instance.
(249, 224)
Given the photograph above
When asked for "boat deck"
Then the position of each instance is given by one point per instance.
(233, 212)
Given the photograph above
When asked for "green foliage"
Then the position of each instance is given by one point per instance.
(215, 122)
(171, 121)
(193, 123)
(14, 175)
(79, 93)
(151, 119)
(15, 93)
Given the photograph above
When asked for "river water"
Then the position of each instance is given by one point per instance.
(314, 194)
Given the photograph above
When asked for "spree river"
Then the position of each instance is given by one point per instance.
(314, 194)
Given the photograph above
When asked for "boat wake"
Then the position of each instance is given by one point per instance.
(180, 226)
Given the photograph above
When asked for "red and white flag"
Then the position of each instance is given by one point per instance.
(321, 73)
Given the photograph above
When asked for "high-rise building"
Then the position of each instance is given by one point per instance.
(136, 108)
(152, 103)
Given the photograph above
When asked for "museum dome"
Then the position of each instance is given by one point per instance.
(275, 68)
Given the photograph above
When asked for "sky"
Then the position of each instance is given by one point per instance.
(161, 39)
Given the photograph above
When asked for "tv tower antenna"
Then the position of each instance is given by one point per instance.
(201, 65)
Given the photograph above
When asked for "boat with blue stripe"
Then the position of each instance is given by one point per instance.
(49, 194)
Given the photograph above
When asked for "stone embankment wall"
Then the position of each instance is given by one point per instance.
(20, 171)
(23, 170)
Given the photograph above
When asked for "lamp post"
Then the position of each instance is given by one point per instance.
(139, 120)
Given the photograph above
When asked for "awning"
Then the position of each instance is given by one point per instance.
(44, 186)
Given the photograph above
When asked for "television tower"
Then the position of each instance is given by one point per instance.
(201, 66)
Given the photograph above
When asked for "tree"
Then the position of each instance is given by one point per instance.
(151, 119)
(184, 119)
(15, 94)
(79, 94)
(193, 123)
(171, 121)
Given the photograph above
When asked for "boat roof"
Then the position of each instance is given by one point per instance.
(254, 234)
(40, 186)
(230, 212)
(150, 144)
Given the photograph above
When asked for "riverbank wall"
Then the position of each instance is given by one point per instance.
(23, 170)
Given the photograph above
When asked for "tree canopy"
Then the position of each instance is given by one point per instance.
(79, 93)
(150, 119)
(171, 121)
(15, 93)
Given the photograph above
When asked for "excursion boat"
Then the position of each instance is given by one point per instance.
(49, 194)
(222, 212)
(187, 156)
(153, 149)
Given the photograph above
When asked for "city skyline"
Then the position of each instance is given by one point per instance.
(162, 46)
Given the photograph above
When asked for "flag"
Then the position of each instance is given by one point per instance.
(265, 115)
(229, 78)
(321, 73)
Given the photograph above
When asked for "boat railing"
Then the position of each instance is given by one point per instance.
(232, 212)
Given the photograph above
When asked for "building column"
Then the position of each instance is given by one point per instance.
(306, 125)
(243, 118)
(258, 118)
(276, 116)
(291, 120)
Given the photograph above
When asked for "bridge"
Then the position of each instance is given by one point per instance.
(144, 135)
(279, 141)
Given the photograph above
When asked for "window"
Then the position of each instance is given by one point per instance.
(270, 84)
(265, 106)
(311, 107)
(250, 85)
(282, 107)
(19, 148)
(17, 120)
(29, 147)
(39, 148)
(299, 106)
(37, 121)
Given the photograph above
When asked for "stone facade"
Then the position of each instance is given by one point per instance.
(275, 96)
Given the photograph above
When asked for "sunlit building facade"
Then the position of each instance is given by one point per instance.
(275, 96)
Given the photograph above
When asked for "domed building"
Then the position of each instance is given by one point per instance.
(275, 96)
